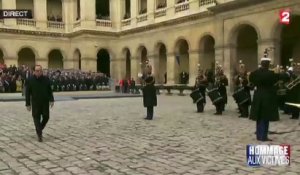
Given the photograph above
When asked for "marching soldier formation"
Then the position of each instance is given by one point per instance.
(279, 85)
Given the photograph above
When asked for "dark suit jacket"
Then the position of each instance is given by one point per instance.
(38, 92)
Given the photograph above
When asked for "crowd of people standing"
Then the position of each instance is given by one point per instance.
(13, 79)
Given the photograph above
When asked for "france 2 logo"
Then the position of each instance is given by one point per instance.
(285, 16)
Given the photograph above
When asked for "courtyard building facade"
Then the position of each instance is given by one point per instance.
(116, 37)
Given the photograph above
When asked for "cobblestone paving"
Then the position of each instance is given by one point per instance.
(109, 136)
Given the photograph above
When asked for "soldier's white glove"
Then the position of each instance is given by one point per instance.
(28, 108)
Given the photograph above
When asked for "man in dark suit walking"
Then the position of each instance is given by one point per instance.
(39, 96)
(264, 107)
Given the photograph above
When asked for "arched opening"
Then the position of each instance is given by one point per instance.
(77, 59)
(182, 59)
(103, 62)
(102, 9)
(1, 57)
(246, 46)
(25, 4)
(128, 63)
(207, 52)
(290, 41)
(54, 10)
(162, 57)
(26, 57)
(142, 54)
(55, 60)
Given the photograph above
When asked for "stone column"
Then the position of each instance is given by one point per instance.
(193, 66)
(274, 54)
(229, 66)
(121, 68)
(171, 63)
(113, 71)
(154, 61)
(133, 11)
(134, 67)
(89, 64)
(219, 44)
(68, 14)
(40, 13)
(88, 13)
(43, 62)
(69, 63)
(194, 5)
(6, 5)
(116, 13)
(170, 8)
(150, 10)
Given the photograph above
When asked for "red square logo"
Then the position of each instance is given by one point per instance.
(285, 16)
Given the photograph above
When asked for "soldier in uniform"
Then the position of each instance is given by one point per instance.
(221, 83)
(241, 80)
(264, 107)
(149, 92)
(293, 93)
(201, 84)
(281, 90)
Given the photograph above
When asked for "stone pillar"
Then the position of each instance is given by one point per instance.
(274, 54)
(171, 63)
(134, 67)
(89, 64)
(43, 62)
(121, 65)
(113, 69)
(133, 11)
(150, 10)
(193, 66)
(229, 66)
(116, 13)
(170, 8)
(6, 5)
(154, 61)
(219, 44)
(68, 14)
(69, 63)
(158, 72)
(88, 13)
(194, 6)
(40, 13)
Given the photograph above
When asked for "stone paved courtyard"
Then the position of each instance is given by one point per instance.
(109, 136)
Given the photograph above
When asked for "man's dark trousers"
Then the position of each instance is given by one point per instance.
(40, 115)
(200, 107)
(262, 128)
(150, 112)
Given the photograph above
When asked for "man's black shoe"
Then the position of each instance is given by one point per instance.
(40, 138)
